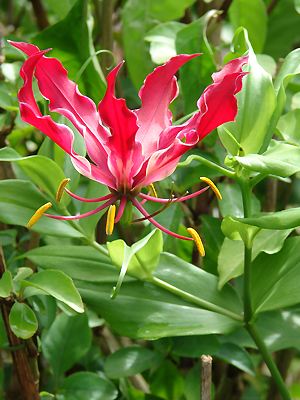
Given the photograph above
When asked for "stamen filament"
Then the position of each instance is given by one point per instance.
(152, 190)
(175, 199)
(94, 200)
(110, 220)
(38, 214)
(80, 216)
(61, 188)
(197, 241)
(155, 223)
(212, 186)
(121, 209)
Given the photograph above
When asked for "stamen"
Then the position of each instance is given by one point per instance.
(155, 223)
(174, 199)
(94, 200)
(152, 190)
(61, 188)
(121, 209)
(84, 215)
(110, 221)
(197, 240)
(212, 186)
(38, 214)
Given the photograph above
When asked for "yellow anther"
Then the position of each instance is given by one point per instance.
(197, 240)
(212, 186)
(110, 221)
(61, 188)
(152, 190)
(38, 214)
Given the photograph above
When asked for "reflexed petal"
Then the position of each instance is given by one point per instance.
(65, 98)
(218, 103)
(158, 91)
(59, 133)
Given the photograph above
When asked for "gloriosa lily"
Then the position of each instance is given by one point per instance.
(128, 149)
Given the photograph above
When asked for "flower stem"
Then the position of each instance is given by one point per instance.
(248, 312)
(193, 299)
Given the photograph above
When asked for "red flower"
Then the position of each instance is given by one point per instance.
(128, 149)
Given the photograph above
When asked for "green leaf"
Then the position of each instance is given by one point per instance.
(20, 199)
(22, 321)
(140, 260)
(67, 340)
(162, 41)
(274, 282)
(58, 285)
(161, 313)
(8, 237)
(232, 202)
(166, 10)
(37, 168)
(281, 159)
(234, 229)
(136, 22)
(256, 104)
(285, 219)
(72, 44)
(167, 382)
(289, 127)
(130, 361)
(79, 262)
(253, 17)
(196, 74)
(6, 286)
(87, 385)
(231, 255)
(195, 346)
(237, 356)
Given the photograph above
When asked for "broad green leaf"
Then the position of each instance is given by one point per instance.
(281, 159)
(72, 43)
(274, 282)
(279, 330)
(6, 285)
(22, 321)
(166, 10)
(87, 385)
(285, 219)
(232, 202)
(161, 313)
(234, 229)
(58, 285)
(195, 346)
(79, 262)
(67, 340)
(237, 356)
(231, 255)
(162, 41)
(140, 260)
(167, 382)
(136, 22)
(20, 199)
(283, 29)
(196, 74)
(130, 361)
(256, 104)
(8, 237)
(192, 384)
(289, 127)
(253, 17)
(44, 172)
(7, 102)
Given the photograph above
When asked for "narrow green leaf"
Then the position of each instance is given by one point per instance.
(22, 321)
(285, 219)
